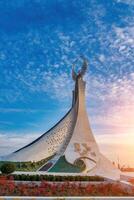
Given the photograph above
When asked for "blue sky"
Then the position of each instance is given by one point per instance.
(39, 41)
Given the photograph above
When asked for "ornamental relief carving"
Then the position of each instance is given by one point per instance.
(58, 134)
(83, 149)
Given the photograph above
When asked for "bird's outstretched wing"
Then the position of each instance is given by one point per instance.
(84, 66)
(83, 69)
(74, 75)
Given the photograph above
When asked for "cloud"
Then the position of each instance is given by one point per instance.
(50, 70)
(10, 142)
(115, 105)
(6, 123)
(18, 110)
(129, 2)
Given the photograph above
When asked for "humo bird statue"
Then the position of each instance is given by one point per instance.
(81, 72)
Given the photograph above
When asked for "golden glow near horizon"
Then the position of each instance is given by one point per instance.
(118, 144)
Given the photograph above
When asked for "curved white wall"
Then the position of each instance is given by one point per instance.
(46, 145)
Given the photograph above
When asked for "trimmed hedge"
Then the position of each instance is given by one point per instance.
(26, 177)
(7, 168)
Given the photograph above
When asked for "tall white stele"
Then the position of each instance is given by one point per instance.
(82, 145)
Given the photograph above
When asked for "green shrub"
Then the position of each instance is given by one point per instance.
(8, 168)
(80, 164)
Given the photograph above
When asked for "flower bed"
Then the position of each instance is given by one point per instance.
(10, 188)
(131, 181)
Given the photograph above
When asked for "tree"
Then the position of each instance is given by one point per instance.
(8, 168)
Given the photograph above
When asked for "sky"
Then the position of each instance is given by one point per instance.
(39, 41)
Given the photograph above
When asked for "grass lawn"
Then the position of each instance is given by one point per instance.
(63, 166)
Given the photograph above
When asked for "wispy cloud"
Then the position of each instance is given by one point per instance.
(6, 123)
(115, 105)
(13, 141)
(18, 110)
(129, 2)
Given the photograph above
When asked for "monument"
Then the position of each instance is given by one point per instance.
(70, 144)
